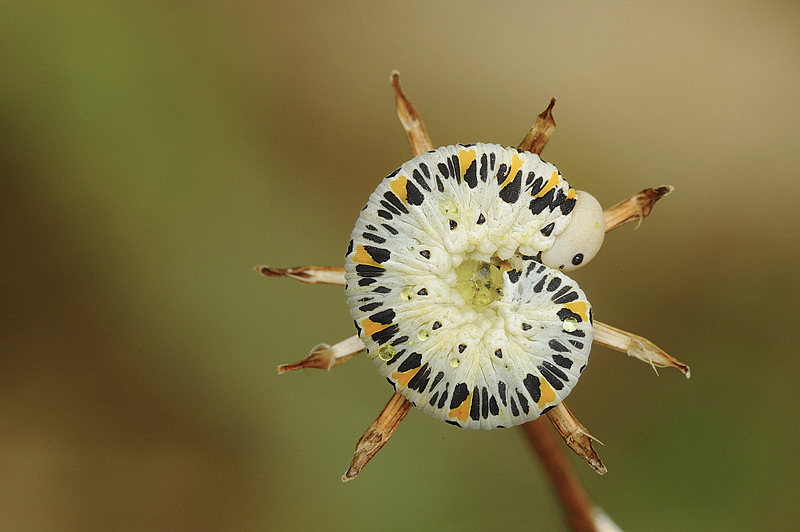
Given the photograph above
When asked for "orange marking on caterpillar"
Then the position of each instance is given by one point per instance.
(461, 412)
(362, 256)
(370, 327)
(398, 186)
(402, 379)
(548, 394)
(516, 164)
(580, 308)
(550, 184)
(465, 159)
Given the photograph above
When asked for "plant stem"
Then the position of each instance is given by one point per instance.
(566, 483)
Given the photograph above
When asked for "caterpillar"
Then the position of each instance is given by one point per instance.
(454, 278)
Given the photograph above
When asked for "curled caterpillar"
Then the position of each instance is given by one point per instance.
(454, 281)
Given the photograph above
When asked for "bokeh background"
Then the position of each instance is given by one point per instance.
(152, 153)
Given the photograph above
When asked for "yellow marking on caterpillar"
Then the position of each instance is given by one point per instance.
(516, 164)
(402, 379)
(550, 184)
(571, 193)
(461, 412)
(362, 256)
(371, 327)
(548, 394)
(580, 308)
(398, 186)
(465, 159)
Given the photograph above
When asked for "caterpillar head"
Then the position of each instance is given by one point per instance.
(580, 241)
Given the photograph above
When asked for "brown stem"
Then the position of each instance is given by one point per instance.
(568, 488)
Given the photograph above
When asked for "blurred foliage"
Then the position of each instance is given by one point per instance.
(152, 153)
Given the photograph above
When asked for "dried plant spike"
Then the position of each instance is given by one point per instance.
(573, 498)
(325, 356)
(541, 131)
(377, 434)
(637, 347)
(637, 207)
(576, 436)
(307, 274)
(410, 119)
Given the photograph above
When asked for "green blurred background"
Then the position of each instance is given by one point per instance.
(151, 153)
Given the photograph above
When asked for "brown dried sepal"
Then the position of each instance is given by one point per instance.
(377, 434)
(326, 357)
(410, 119)
(320, 358)
(637, 207)
(540, 132)
(637, 347)
(576, 436)
(307, 274)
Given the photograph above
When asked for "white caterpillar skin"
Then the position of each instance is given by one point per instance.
(447, 288)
